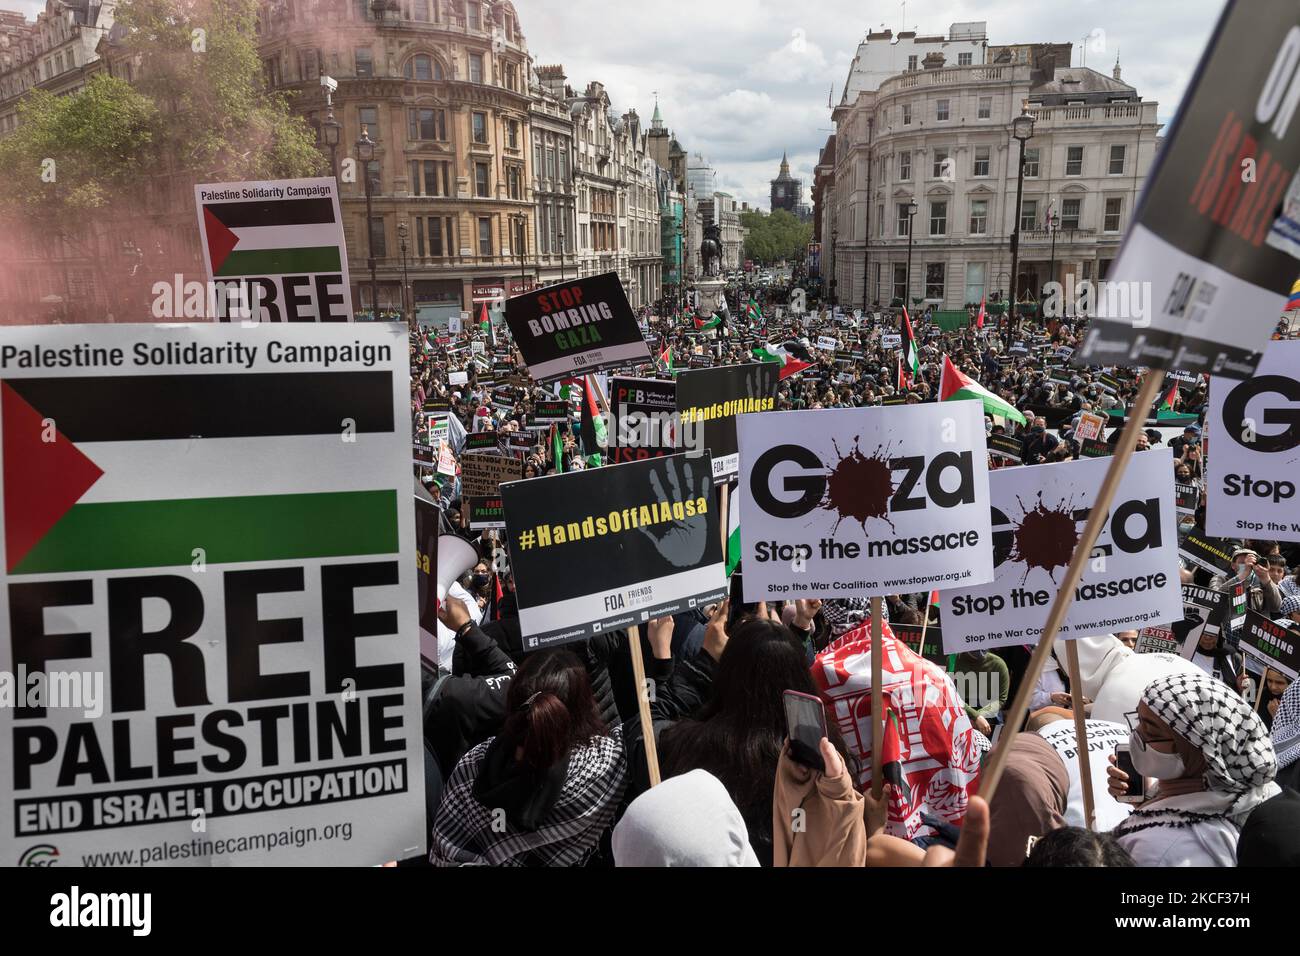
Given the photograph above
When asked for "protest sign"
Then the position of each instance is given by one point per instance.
(1004, 446)
(485, 513)
(1187, 497)
(274, 250)
(1203, 612)
(709, 403)
(480, 442)
(423, 455)
(612, 547)
(167, 564)
(1103, 739)
(446, 460)
(860, 502)
(1090, 426)
(1159, 639)
(827, 343)
(1271, 644)
(1251, 478)
(1204, 241)
(575, 327)
(1095, 448)
(643, 420)
(1131, 581)
(458, 378)
(1213, 554)
(427, 528)
(439, 431)
(455, 324)
(911, 634)
(481, 475)
(891, 340)
(548, 411)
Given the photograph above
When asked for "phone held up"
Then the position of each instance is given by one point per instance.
(1136, 788)
(805, 719)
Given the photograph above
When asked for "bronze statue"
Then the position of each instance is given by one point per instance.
(711, 250)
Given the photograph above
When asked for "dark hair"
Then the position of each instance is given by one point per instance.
(550, 708)
(1075, 846)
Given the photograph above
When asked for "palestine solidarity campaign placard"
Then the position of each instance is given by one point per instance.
(1038, 517)
(277, 248)
(864, 501)
(579, 326)
(208, 533)
(611, 547)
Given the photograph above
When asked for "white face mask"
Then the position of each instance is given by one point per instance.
(1153, 763)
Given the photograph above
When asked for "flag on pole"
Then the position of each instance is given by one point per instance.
(666, 358)
(733, 529)
(979, 319)
(792, 357)
(557, 449)
(1171, 396)
(703, 325)
(955, 386)
(909, 352)
(752, 311)
(594, 437)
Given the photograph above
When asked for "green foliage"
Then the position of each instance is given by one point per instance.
(775, 237)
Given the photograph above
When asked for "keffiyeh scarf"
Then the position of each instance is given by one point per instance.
(1286, 727)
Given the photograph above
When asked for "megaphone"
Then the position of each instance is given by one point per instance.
(455, 557)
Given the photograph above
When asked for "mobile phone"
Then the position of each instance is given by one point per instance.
(1136, 791)
(737, 608)
(805, 721)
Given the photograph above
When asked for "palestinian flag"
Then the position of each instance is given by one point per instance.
(979, 319)
(272, 237)
(123, 481)
(702, 325)
(733, 529)
(752, 312)
(594, 409)
(955, 386)
(909, 353)
(1167, 403)
(666, 358)
(934, 599)
(792, 357)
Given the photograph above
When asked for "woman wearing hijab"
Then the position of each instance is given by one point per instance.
(1213, 762)
(1030, 801)
(685, 821)
(544, 790)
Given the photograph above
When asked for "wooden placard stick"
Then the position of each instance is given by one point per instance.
(643, 705)
(877, 702)
(1065, 594)
(1081, 734)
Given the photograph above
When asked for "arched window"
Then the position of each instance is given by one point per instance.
(420, 67)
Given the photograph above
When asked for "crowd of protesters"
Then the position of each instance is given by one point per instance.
(539, 758)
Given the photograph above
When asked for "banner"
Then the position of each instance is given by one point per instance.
(643, 418)
(213, 577)
(709, 402)
(611, 547)
(575, 327)
(1004, 446)
(1271, 644)
(277, 245)
(1204, 245)
(1038, 517)
(1255, 429)
(866, 501)
(486, 513)
(1212, 554)
(481, 475)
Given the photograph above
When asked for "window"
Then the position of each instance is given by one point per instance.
(963, 59)
(512, 133)
(1117, 160)
(308, 64)
(484, 236)
(905, 165)
(368, 116)
(419, 67)
(474, 15)
(979, 217)
(904, 221)
(938, 218)
(1074, 160)
(378, 245)
(476, 67)
(975, 272)
(364, 60)
(420, 10)
(911, 64)
(941, 109)
(880, 222)
(511, 74)
(550, 162)
(514, 182)
(1031, 163)
(907, 114)
(372, 171)
(934, 274)
(562, 154)
(981, 161)
(985, 107)
(1114, 211)
(478, 122)
(900, 281)
(430, 178)
(941, 168)
(481, 180)
(1070, 213)
(426, 124)
(1028, 214)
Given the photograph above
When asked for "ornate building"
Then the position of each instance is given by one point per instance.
(787, 192)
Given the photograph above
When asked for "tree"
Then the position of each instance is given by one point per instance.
(109, 171)
(775, 237)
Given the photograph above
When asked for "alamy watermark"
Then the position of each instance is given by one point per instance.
(73, 690)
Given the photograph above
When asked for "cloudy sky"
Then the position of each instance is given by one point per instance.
(743, 80)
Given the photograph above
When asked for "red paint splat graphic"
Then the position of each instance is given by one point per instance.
(1045, 537)
(860, 486)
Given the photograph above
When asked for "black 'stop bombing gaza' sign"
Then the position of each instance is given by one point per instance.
(575, 327)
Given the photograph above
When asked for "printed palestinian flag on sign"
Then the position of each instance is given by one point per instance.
(264, 229)
(955, 386)
(139, 471)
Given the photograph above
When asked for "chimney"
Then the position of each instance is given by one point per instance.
(933, 61)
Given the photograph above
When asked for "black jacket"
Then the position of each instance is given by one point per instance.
(467, 708)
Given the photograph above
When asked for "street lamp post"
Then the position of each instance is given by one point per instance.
(835, 254)
(520, 222)
(561, 238)
(330, 129)
(912, 208)
(366, 153)
(1022, 129)
(402, 232)
(1051, 225)
(681, 265)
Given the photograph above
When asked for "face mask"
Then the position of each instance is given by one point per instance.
(1153, 763)
(481, 580)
